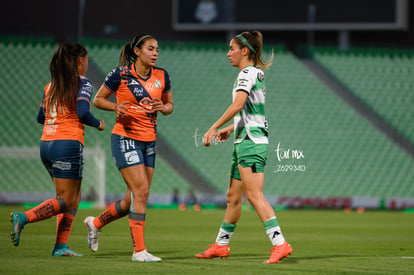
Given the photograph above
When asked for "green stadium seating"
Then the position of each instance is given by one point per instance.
(343, 154)
(383, 79)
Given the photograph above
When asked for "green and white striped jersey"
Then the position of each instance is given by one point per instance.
(251, 120)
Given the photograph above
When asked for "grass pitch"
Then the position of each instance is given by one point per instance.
(323, 241)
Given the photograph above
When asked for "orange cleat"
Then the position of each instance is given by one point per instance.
(215, 251)
(279, 252)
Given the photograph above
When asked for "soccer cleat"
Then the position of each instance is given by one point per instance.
(93, 233)
(144, 256)
(214, 251)
(279, 252)
(18, 220)
(63, 250)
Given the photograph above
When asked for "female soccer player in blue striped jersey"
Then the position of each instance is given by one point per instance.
(250, 147)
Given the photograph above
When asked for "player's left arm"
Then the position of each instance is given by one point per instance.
(85, 116)
(83, 106)
(164, 105)
(41, 117)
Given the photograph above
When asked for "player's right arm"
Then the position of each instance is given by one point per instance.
(101, 101)
(223, 134)
(232, 110)
(110, 86)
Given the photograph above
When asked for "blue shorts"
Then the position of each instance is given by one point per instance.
(62, 158)
(128, 152)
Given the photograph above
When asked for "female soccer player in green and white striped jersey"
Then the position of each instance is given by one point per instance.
(250, 147)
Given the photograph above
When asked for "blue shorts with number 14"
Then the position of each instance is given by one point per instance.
(128, 152)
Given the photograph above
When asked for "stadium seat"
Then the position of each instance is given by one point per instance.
(343, 154)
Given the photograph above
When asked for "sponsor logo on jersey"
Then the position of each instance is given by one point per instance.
(86, 92)
(149, 86)
(242, 82)
(138, 91)
(86, 89)
(110, 74)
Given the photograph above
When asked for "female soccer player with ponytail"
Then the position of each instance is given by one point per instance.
(250, 147)
(142, 90)
(64, 111)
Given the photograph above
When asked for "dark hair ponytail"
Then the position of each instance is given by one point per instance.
(128, 55)
(63, 69)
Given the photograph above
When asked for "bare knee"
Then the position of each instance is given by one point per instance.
(140, 194)
(233, 200)
(70, 201)
(254, 197)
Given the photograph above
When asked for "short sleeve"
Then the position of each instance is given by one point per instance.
(167, 87)
(85, 89)
(113, 80)
(244, 81)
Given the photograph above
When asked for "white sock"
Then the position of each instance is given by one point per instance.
(223, 237)
(275, 235)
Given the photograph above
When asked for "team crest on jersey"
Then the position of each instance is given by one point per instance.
(260, 76)
(157, 84)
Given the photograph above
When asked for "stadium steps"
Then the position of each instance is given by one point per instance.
(366, 111)
(382, 78)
